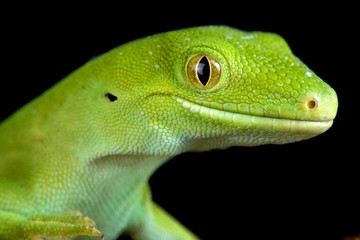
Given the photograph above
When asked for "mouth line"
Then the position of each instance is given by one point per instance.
(247, 122)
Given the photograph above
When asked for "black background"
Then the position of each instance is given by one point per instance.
(304, 190)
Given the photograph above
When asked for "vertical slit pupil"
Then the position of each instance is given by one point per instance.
(203, 70)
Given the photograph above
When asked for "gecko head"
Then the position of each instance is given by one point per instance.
(247, 86)
(216, 87)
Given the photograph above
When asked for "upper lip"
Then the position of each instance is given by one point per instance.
(259, 122)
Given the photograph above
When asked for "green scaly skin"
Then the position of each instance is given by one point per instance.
(75, 162)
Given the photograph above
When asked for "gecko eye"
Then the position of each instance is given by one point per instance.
(111, 97)
(203, 71)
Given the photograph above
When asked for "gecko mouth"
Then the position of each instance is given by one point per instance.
(260, 123)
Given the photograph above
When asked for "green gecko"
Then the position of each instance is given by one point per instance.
(75, 162)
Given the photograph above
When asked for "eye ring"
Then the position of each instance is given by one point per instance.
(203, 71)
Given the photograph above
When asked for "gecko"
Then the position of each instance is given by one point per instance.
(75, 161)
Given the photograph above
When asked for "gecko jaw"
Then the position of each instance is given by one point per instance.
(260, 123)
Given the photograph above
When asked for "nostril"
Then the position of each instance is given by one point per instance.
(312, 104)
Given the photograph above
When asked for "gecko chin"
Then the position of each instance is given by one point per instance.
(302, 128)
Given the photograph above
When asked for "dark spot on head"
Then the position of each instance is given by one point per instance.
(111, 97)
